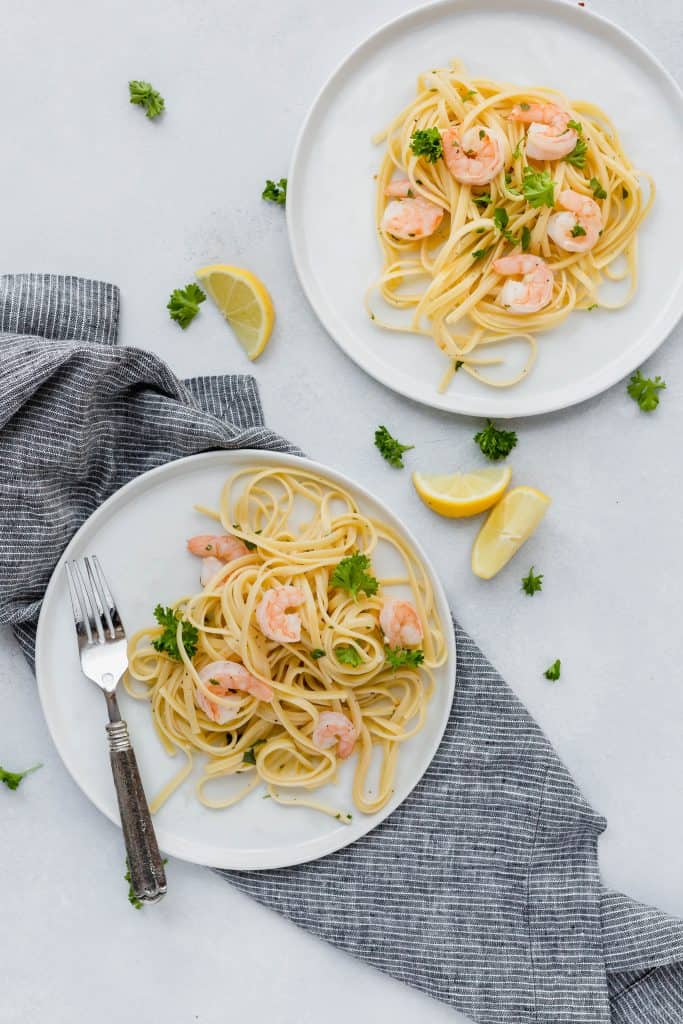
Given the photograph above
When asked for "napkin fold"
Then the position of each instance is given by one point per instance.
(482, 889)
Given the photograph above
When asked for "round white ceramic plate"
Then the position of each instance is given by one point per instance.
(330, 199)
(139, 536)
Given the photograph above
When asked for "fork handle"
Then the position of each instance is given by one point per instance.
(147, 874)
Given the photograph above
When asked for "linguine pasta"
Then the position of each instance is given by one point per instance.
(298, 527)
(445, 285)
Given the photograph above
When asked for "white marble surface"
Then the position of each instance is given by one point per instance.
(90, 187)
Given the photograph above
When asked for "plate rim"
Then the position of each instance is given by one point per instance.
(475, 405)
(302, 851)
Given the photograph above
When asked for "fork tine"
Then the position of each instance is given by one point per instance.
(105, 619)
(88, 602)
(109, 604)
(80, 618)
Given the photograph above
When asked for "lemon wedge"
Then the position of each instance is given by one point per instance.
(457, 495)
(508, 525)
(244, 302)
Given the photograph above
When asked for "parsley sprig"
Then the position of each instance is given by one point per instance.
(495, 444)
(400, 657)
(144, 95)
(183, 304)
(275, 191)
(167, 643)
(643, 390)
(14, 779)
(351, 574)
(531, 583)
(538, 187)
(389, 448)
(427, 142)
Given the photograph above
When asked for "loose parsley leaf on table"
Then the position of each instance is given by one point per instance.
(553, 673)
(398, 657)
(495, 444)
(427, 142)
(643, 390)
(142, 94)
(538, 187)
(389, 448)
(532, 583)
(351, 574)
(347, 655)
(14, 779)
(183, 304)
(167, 643)
(275, 192)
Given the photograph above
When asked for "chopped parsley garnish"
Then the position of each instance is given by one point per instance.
(624, 193)
(482, 200)
(458, 364)
(531, 583)
(347, 655)
(275, 192)
(524, 106)
(538, 188)
(500, 218)
(183, 304)
(400, 657)
(317, 653)
(577, 230)
(479, 254)
(495, 444)
(553, 673)
(427, 142)
(132, 898)
(167, 643)
(389, 448)
(643, 390)
(516, 152)
(576, 125)
(482, 133)
(526, 239)
(598, 190)
(250, 754)
(577, 157)
(14, 779)
(249, 544)
(351, 574)
(145, 96)
(468, 94)
(593, 306)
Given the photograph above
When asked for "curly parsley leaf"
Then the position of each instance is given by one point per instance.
(183, 304)
(576, 125)
(389, 448)
(495, 444)
(250, 754)
(538, 187)
(275, 192)
(167, 643)
(427, 142)
(553, 673)
(347, 655)
(14, 779)
(351, 574)
(643, 390)
(577, 157)
(400, 657)
(142, 94)
(597, 189)
(532, 583)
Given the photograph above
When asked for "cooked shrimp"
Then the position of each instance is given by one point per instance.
(272, 618)
(533, 292)
(409, 215)
(334, 727)
(224, 547)
(223, 678)
(549, 136)
(475, 157)
(578, 229)
(210, 566)
(400, 623)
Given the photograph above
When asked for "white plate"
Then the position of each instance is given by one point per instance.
(139, 535)
(330, 199)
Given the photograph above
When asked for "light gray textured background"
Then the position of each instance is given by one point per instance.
(90, 187)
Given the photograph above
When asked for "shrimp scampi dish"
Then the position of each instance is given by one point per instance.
(297, 654)
(501, 209)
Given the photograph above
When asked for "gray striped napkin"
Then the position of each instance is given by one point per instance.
(483, 888)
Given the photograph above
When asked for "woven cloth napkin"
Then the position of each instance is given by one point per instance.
(483, 888)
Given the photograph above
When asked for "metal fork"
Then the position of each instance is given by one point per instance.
(102, 647)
